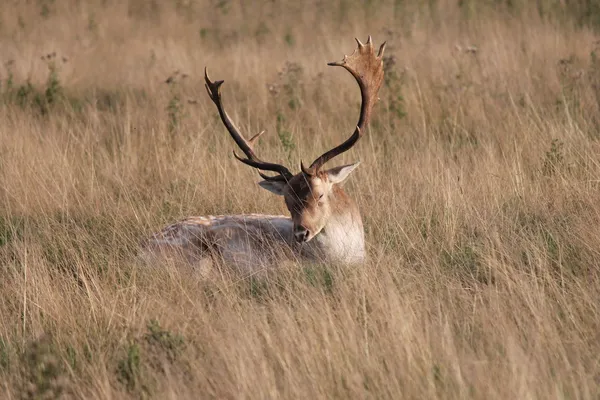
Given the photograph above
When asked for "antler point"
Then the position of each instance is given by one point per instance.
(381, 49)
(236, 156)
(255, 137)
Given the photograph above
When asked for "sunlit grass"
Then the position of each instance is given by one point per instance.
(478, 186)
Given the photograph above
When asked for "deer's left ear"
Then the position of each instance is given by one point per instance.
(339, 174)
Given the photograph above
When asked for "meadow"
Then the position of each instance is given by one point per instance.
(479, 187)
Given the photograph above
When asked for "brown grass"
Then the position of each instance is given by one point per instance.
(479, 189)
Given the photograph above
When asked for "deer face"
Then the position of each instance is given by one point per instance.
(310, 199)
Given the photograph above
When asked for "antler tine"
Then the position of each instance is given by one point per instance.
(367, 69)
(254, 138)
(278, 178)
(247, 146)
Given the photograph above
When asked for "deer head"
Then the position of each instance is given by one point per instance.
(313, 196)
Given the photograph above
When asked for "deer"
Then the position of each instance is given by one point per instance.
(324, 225)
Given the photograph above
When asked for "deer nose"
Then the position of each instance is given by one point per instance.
(301, 233)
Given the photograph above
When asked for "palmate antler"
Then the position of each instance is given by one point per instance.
(367, 69)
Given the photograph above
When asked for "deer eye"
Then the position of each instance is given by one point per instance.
(320, 200)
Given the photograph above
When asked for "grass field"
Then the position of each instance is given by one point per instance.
(479, 187)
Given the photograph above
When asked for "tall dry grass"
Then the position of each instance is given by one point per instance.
(479, 189)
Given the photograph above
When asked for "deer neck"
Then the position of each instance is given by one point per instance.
(342, 238)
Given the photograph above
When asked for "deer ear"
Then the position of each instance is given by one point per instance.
(273, 186)
(339, 174)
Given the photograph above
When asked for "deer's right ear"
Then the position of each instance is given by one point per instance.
(273, 186)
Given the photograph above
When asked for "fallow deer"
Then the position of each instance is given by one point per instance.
(325, 223)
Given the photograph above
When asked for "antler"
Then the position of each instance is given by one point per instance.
(367, 69)
(247, 146)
